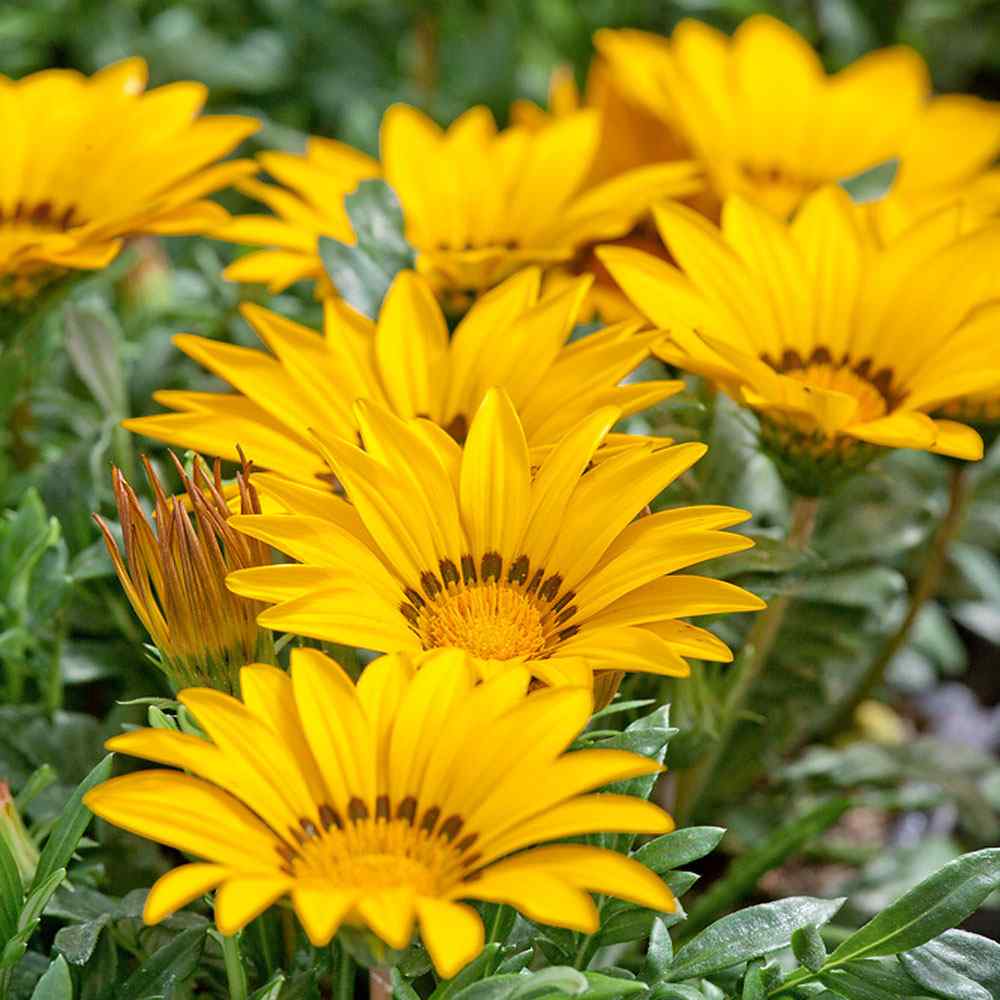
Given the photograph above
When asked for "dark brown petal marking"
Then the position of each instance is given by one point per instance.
(469, 862)
(407, 809)
(451, 827)
(309, 828)
(535, 581)
(492, 566)
(550, 588)
(410, 613)
(286, 853)
(449, 572)
(564, 600)
(431, 584)
(466, 842)
(382, 807)
(356, 810)
(300, 837)
(518, 570)
(328, 817)
(863, 368)
(566, 615)
(821, 356)
(468, 570)
(414, 598)
(430, 819)
(568, 633)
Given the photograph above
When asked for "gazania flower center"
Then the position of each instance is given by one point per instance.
(872, 387)
(402, 845)
(491, 621)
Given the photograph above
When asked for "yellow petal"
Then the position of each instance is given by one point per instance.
(451, 932)
(244, 897)
(179, 887)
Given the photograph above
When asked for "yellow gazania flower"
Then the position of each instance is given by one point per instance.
(832, 338)
(766, 120)
(452, 547)
(89, 160)
(631, 137)
(387, 803)
(478, 204)
(174, 570)
(948, 159)
(510, 337)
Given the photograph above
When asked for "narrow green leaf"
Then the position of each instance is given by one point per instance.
(172, 964)
(749, 933)
(559, 980)
(271, 990)
(56, 983)
(753, 983)
(472, 973)
(659, 952)
(808, 947)
(11, 892)
(401, 989)
(38, 899)
(937, 904)
(973, 958)
(679, 848)
(601, 987)
(69, 827)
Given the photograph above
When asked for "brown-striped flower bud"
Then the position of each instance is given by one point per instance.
(174, 570)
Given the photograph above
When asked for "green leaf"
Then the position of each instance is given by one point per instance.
(872, 979)
(69, 827)
(77, 942)
(749, 933)
(677, 991)
(873, 183)
(601, 987)
(973, 959)
(754, 987)
(808, 947)
(935, 905)
(558, 980)
(744, 873)
(659, 952)
(93, 343)
(271, 990)
(679, 848)
(11, 892)
(172, 964)
(38, 899)
(362, 273)
(56, 984)
(401, 989)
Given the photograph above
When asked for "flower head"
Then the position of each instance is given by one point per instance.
(764, 118)
(840, 344)
(478, 204)
(174, 575)
(449, 547)
(89, 160)
(387, 803)
(512, 337)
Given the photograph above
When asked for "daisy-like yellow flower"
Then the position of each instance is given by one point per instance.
(839, 343)
(765, 119)
(174, 570)
(386, 804)
(948, 159)
(450, 547)
(90, 160)
(478, 204)
(631, 137)
(511, 337)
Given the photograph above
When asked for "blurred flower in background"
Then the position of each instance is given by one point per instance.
(90, 160)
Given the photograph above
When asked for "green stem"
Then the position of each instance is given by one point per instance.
(586, 952)
(343, 987)
(235, 973)
(750, 666)
(925, 588)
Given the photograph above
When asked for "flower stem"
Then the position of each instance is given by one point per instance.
(235, 973)
(380, 983)
(750, 665)
(925, 588)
